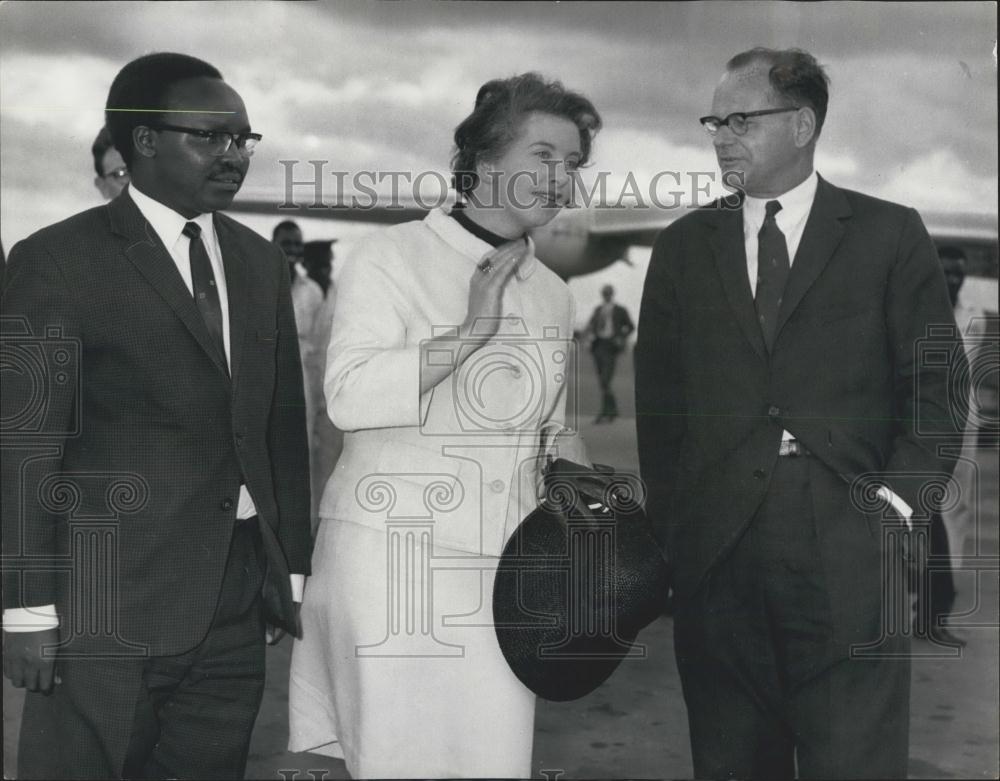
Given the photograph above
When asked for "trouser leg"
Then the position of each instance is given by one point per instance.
(195, 711)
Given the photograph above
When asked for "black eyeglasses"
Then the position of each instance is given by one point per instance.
(737, 122)
(217, 142)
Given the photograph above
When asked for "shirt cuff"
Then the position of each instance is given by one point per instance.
(298, 586)
(30, 619)
(898, 504)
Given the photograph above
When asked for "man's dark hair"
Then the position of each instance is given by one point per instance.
(794, 74)
(284, 225)
(101, 145)
(138, 93)
(500, 106)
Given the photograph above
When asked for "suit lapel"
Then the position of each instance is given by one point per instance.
(151, 259)
(730, 255)
(823, 233)
(236, 284)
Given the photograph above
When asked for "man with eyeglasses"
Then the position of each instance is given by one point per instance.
(156, 501)
(788, 435)
(112, 173)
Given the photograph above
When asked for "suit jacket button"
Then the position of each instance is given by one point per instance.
(773, 412)
(227, 504)
(497, 486)
(760, 474)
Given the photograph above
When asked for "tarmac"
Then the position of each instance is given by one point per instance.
(635, 725)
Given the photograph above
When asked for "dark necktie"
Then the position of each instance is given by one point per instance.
(206, 294)
(772, 272)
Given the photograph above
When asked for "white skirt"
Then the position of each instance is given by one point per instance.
(398, 672)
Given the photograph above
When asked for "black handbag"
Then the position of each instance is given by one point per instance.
(577, 581)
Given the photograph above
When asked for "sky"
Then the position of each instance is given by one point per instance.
(381, 86)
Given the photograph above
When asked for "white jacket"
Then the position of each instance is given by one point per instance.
(464, 456)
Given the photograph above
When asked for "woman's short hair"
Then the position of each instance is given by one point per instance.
(138, 93)
(501, 105)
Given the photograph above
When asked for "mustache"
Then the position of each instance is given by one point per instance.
(228, 170)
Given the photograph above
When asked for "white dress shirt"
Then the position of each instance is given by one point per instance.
(795, 207)
(169, 226)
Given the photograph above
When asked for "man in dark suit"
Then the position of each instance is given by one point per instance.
(155, 473)
(609, 328)
(787, 428)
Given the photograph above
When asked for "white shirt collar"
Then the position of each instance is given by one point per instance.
(473, 247)
(795, 204)
(167, 223)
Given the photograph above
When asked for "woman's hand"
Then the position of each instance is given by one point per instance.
(482, 319)
(486, 287)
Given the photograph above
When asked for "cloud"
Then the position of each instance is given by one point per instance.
(939, 181)
(382, 86)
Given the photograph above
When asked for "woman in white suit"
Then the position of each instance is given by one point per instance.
(446, 369)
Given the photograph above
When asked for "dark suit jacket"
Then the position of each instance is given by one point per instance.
(846, 377)
(133, 425)
(620, 322)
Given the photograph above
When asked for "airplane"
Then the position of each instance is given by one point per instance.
(581, 241)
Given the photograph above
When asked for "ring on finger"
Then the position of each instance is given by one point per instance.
(486, 267)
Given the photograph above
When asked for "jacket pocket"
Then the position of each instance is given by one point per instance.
(410, 481)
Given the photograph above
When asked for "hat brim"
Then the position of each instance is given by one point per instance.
(569, 599)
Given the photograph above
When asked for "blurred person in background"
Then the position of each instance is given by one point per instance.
(425, 378)
(307, 298)
(317, 258)
(950, 529)
(112, 173)
(609, 328)
(327, 439)
(936, 592)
